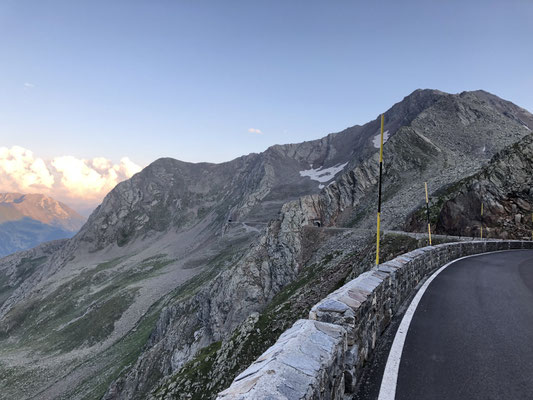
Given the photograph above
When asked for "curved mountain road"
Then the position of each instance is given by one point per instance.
(467, 334)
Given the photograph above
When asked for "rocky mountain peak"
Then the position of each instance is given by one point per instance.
(174, 195)
(27, 220)
(175, 258)
(39, 207)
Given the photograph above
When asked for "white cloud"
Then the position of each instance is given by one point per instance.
(76, 181)
(21, 171)
(128, 167)
(253, 130)
(79, 178)
(28, 85)
(102, 164)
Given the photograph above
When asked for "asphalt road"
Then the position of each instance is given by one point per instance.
(471, 336)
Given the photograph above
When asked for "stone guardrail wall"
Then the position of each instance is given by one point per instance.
(322, 357)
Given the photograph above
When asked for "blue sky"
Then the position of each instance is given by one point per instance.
(188, 79)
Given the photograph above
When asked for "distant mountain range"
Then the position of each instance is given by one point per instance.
(26, 220)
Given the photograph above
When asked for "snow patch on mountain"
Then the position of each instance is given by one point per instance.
(322, 174)
(377, 139)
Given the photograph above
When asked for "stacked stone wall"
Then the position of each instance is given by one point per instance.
(322, 357)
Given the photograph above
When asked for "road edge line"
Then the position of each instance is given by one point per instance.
(387, 390)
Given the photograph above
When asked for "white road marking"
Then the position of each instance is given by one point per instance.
(387, 390)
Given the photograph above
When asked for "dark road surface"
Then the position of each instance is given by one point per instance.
(471, 336)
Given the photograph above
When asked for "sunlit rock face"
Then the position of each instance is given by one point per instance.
(27, 220)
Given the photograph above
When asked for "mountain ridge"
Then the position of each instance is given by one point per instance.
(39, 207)
(197, 248)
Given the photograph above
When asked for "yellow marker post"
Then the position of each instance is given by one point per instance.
(379, 191)
(481, 221)
(427, 212)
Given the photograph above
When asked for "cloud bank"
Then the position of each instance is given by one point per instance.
(78, 182)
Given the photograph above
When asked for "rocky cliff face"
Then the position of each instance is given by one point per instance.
(26, 220)
(414, 153)
(504, 188)
(172, 223)
(176, 258)
(444, 143)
